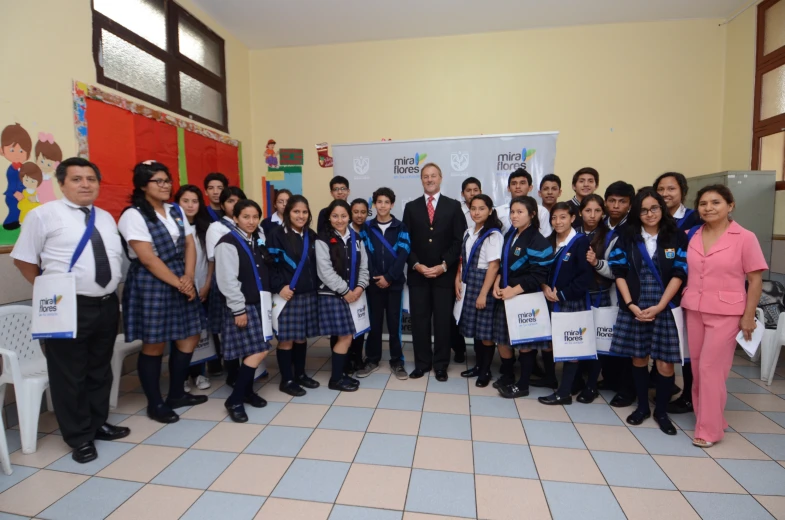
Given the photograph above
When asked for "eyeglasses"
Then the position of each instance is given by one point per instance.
(654, 210)
(340, 190)
(161, 182)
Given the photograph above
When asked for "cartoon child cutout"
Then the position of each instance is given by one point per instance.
(31, 177)
(47, 156)
(270, 155)
(15, 146)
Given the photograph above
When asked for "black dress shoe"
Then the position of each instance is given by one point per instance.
(544, 383)
(621, 401)
(187, 400)
(255, 400)
(637, 417)
(109, 432)
(355, 382)
(666, 426)
(503, 381)
(417, 373)
(85, 453)
(306, 381)
(236, 412)
(555, 399)
(162, 414)
(483, 381)
(472, 372)
(512, 391)
(460, 357)
(291, 388)
(680, 405)
(342, 385)
(441, 375)
(588, 396)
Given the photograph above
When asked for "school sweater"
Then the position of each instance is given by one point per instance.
(528, 260)
(333, 281)
(380, 261)
(234, 271)
(286, 249)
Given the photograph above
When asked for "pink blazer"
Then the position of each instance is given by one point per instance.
(715, 281)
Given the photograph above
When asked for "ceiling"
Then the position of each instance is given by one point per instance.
(263, 24)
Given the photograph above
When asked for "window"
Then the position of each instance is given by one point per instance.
(768, 127)
(156, 51)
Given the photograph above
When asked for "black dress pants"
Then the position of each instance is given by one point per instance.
(384, 302)
(430, 301)
(80, 371)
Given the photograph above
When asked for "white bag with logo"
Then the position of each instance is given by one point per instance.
(405, 301)
(604, 322)
(458, 307)
(684, 348)
(527, 318)
(266, 300)
(205, 349)
(54, 306)
(360, 315)
(278, 304)
(573, 336)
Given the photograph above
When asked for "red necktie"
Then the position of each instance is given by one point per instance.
(431, 210)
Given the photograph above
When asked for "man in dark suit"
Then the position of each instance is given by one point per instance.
(436, 225)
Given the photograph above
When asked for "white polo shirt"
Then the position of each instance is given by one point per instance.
(490, 250)
(49, 238)
(133, 226)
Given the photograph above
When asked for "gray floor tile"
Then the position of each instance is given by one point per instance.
(108, 452)
(213, 505)
(441, 493)
(262, 415)
(735, 404)
(777, 417)
(685, 421)
(7, 516)
(631, 470)
(182, 434)
(593, 414)
(377, 380)
(117, 418)
(402, 400)
(387, 450)
(747, 372)
(657, 443)
(340, 512)
(315, 480)
(195, 469)
(493, 407)
(569, 501)
(95, 499)
(720, 506)
(321, 395)
(283, 441)
(771, 444)
(503, 460)
(744, 386)
(14, 439)
(347, 418)
(20, 473)
(448, 426)
(758, 477)
(222, 393)
(553, 434)
(454, 385)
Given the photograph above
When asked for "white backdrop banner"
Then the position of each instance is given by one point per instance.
(490, 158)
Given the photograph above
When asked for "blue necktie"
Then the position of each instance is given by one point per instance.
(103, 271)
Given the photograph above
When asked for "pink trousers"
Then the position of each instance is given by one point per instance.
(712, 340)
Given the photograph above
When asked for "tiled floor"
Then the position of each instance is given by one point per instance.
(413, 450)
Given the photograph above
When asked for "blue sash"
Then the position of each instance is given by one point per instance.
(558, 260)
(684, 218)
(385, 243)
(88, 232)
(352, 273)
(244, 245)
(213, 215)
(476, 245)
(505, 262)
(301, 263)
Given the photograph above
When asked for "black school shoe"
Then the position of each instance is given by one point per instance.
(109, 432)
(343, 385)
(85, 453)
(237, 413)
(555, 399)
(187, 400)
(472, 372)
(483, 381)
(162, 414)
(638, 416)
(255, 400)
(680, 405)
(291, 388)
(666, 426)
(621, 401)
(503, 381)
(307, 382)
(512, 391)
(588, 395)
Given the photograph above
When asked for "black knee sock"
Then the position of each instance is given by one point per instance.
(479, 354)
(640, 376)
(508, 366)
(549, 365)
(338, 361)
(487, 359)
(527, 364)
(663, 395)
(567, 378)
(595, 367)
(179, 364)
(686, 371)
(285, 364)
(195, 371)
(232, 366)
(243, 385)
(299, 352)
(149, 370)
(653, 374)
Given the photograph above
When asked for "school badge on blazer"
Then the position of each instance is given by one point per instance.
(670, 254)
(517, 251)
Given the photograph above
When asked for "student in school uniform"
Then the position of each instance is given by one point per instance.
(584, 183)
(470, 188)
(339, 190)
(526, 255)
(294, 278)
(480, 258)
(519, 184)
(214, 184)
(388, 247)
(342, 264)
(160, 304)
(359, 216)
(280, 199)
(242, 272)
(189, 198)
(550, 191)
(649, 263)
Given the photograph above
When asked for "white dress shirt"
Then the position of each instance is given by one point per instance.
(503, 212)
(566, 240)
(133, 226)
(468, 214)
(49, 238)
(435, 199)
(275, 218)
(490, 250)
(215, 232)
(200, 274)
(650, 241)
(680, 212)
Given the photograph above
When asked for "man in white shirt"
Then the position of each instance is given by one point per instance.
(80, 373)
(519, 184)
(470, 188)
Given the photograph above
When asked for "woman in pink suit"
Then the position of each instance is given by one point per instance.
(721, 257)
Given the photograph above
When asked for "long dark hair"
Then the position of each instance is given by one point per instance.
(668, 227)
(598, 237)
(287, 212)
(201, 219)
(492, 222)
(336, 253)
(681, 180)
(143, 172)
(569, 207)
(531, 206)
(227, 193)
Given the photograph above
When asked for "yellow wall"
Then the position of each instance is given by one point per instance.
(632, 100)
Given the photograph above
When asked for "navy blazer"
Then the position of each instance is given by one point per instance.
(380, 261)
(528, 259)
(576, 275)
(286, 250)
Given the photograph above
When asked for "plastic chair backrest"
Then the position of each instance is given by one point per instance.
(15, 334)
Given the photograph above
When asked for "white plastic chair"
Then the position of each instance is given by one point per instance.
(121, 351)
(5, 458)
(24, 366)
(770, 348)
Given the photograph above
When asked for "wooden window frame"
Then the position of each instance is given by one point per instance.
(174, 61)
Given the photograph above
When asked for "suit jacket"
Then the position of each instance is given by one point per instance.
(434, 243)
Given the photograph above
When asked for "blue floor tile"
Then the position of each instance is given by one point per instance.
(685, 421)
(363, 513)
(744, 386)
(20, 473)
(747, 372)
(734, 404)
(108, 452)
(315, 480)
(493, 407)
(658, 443)
(213, 505)
(553, 434)
(182, 434)
(95, 499)
(503, 460)
(222, 393)
(447, 426)
(441, 493)
(195, 469)
(387, 450)
(631, 470)
(283, 441)
(777, 417)
(593, 414)
(14, 439)
(117, 418)
(772, 445)
(262, 415)
(321, 395)
(569, 501)
(347, 418)
(6, 516)
(719, 506)
(377, 381)
(454, 385)
(402, 400)
(759, 477)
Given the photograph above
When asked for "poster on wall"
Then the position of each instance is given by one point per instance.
(284, 172)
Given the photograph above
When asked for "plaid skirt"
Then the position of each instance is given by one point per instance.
(501, 334)
(602, 297)
(156, 312)
(335, 318)
(476, 323)
(216, 303)
(236, 342)
(299, 319)
(658, 339)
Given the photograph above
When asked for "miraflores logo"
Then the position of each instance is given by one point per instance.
(361, 312)
(574, 336)
(361, 165)
(409, 166)
(528, 318)
(604, 332)
(509, 162)
(459, 161)
(48, 306)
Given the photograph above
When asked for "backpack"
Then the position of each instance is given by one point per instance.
(772, 302)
